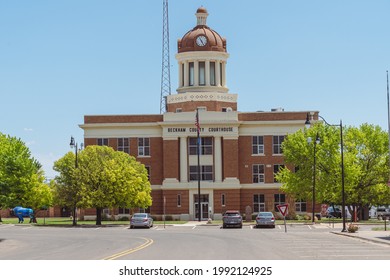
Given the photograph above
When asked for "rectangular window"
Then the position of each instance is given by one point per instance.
(258, 203)
(223, 199)
(279, 198)
(143, 146)
(277, 144)
(102, 141)
(221, 73)
(206, 146)
(257, 145)
(179, 110)
(212, 73)
(277, 168)
(123, 145)
(179, 200)
(206, 173)
(124, 211)
(258, 173)
(300, 205)
(182, 75)
(191, 74)
(202, 73)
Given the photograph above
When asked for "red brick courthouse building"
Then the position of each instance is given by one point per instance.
(240, 151)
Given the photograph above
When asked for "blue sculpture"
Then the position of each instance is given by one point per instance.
(21, 212)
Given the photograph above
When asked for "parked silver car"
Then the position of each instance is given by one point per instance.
(265, 219)
(141, 220)
(232, 218)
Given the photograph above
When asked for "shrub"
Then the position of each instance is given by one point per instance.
(353, 228)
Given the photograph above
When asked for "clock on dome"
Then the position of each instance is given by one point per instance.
(201, 41)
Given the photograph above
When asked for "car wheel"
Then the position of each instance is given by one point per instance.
(224, 226)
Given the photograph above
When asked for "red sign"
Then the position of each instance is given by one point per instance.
(283, 209)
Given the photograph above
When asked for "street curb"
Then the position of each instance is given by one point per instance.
(362, 238)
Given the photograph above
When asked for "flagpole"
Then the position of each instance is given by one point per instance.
(388, 118)
(198, 152)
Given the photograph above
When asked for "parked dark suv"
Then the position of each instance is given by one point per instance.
(333, 212)
(232, 218)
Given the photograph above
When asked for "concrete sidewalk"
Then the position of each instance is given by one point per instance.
(380, 237)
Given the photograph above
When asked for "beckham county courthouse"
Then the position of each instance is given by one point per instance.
(240, 151)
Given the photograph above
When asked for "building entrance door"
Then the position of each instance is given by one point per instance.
(204, 206)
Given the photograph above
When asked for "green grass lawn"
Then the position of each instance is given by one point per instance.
(68, 222)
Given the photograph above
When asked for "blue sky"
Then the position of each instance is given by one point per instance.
(61, 60)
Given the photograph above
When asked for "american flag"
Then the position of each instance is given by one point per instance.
(197, 121)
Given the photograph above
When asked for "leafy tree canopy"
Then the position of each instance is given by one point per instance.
(366, 165)
(21, 176)
(104, 178)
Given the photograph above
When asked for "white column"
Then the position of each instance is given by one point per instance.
(218, 73)
(224, 74)
(181, 75)
(183, 160)
(218, 159)
(196, 73)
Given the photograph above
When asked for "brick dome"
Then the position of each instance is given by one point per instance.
(215, 42)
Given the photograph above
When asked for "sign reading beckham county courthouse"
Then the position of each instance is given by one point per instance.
(202, 129)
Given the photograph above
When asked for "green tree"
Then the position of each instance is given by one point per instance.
(368, 155)
(67, 189)
(113, 179)
(21, 176)
(104, 179)
(365, 164)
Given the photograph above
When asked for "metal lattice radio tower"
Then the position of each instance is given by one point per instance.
(165, 71)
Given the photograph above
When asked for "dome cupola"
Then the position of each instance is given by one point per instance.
(201, 37)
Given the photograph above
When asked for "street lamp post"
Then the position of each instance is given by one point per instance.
(73, 145)
(307, 123)
(316, 142)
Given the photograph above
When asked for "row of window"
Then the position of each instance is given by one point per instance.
(258, 173)
(124, 145)
(202, 73)
(259, 202)
(258, 145)
(205, 147)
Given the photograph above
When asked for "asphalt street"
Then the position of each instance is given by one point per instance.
(185, 242)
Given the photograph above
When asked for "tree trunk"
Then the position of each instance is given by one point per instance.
(74, 216)
(98, 216)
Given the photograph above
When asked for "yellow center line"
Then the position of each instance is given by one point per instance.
(147, 243)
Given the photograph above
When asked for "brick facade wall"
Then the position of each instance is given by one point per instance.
(171, 159)
(230, 158)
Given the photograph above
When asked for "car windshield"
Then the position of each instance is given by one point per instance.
(232, 214)
(139, 216)
(266, 215)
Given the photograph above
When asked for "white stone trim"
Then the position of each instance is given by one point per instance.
(202, 96)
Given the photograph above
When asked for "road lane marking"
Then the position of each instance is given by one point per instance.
(130, 251)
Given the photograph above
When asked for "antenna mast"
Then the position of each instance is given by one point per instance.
(165, 71)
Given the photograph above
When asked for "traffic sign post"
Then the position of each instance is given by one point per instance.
(283, 209)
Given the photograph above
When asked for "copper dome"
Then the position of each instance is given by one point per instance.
(215, 42)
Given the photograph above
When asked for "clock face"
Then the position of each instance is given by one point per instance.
(201, 41)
